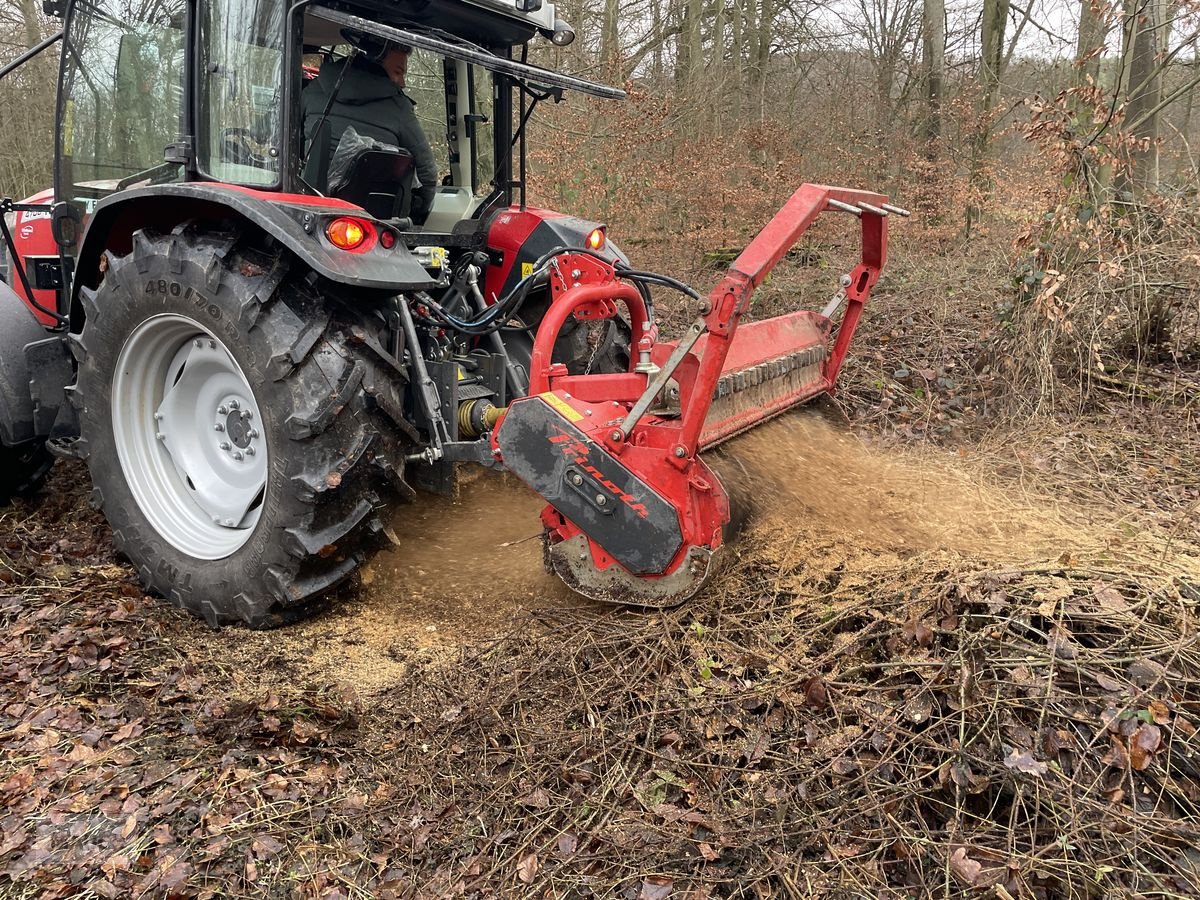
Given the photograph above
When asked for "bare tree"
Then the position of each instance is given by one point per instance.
(933, 38)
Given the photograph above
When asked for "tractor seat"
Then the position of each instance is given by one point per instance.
(380, 181)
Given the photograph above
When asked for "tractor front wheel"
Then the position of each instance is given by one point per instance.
(230, 443)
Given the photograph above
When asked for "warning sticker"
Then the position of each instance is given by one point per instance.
(561, 406)
(526, 269)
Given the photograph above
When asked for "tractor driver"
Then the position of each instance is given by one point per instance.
(368, 94)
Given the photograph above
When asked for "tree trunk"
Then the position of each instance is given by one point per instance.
(610, 37)
(762, 52)
(1147, 21)
(1092, 34)
(934, 65)
(991, 63)
(29, 18)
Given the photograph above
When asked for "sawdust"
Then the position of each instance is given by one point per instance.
(463, 572)
(801, 474)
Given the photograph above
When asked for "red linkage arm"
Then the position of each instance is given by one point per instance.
(731, 297)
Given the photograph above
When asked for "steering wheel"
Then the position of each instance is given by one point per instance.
(236, 146)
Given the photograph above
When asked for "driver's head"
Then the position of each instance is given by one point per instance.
(395, 63)
(391, 56)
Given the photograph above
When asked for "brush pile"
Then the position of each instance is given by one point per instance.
(924, 726)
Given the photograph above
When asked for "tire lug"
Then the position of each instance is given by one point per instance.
(223, 410)
(253, 432)
(224, 445)
(233, 404)
(249, 451)
(247, 414)
(237, 454)
(218, 427)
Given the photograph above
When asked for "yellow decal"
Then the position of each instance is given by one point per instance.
(561, 406)
(526, 269)
(437, 257)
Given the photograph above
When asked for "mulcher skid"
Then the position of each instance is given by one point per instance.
(635, 515)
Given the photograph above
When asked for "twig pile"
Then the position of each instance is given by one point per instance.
(916, 726)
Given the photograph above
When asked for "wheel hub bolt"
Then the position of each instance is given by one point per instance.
(246, 414)
(158, 417)
(218, 427)
(160, 436)
(601, 500)
(576, 478)
(237, 454)
(233, 404)
(223, 410)
(249, 451)
(224, 445)
(199, 343)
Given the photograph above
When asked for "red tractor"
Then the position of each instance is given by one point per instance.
(257, 360)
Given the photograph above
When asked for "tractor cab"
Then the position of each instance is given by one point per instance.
(213, 91)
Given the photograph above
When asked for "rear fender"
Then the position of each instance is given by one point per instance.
(295, 220)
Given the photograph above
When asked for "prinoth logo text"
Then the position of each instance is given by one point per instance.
(577, 451)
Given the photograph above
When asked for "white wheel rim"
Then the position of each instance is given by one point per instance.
(186, 427)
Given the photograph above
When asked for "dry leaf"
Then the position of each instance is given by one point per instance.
(815, 694)
(707, 851)
(1142, 745)
(535, 799)
(1110, 599)
(1024, 762)
(567, 843)
(917, 630)
(1117, 756)
(527, 867)
(656, 887)
(965, 867)
(1160, 712)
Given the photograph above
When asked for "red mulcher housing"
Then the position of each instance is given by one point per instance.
(256, 361)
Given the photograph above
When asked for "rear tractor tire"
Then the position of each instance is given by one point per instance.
(231, 443)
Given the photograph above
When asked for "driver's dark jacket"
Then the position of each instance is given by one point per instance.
(368, 100)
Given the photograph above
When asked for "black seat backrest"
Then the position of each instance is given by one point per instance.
(380, 181)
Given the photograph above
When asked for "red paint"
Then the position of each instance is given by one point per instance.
(33, 236)
(507, 234)
(594, 293)
(287, 199)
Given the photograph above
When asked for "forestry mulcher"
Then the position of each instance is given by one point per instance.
(260, 330)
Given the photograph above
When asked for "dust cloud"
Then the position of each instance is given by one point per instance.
(801, 473)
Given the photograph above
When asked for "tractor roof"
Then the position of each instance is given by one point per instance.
(492, 23)
(324, 24)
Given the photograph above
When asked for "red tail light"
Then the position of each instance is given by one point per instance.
(348, 233)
